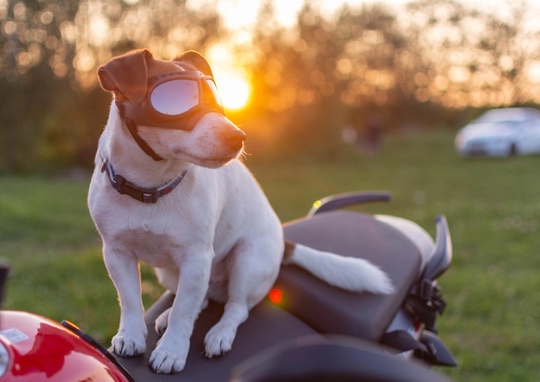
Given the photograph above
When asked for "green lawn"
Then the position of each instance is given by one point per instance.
(492, 206)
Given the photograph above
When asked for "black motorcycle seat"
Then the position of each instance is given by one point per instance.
(310, 307)
(334, 311)
(267, 326)
(331, 359)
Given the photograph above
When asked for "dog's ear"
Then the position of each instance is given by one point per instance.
(197, 60)
(127, 75)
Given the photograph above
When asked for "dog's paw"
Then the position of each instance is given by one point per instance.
(162, 322)
(128, 346)
(165, 360)
(219, 340)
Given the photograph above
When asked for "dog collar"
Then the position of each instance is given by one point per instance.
(145, 195)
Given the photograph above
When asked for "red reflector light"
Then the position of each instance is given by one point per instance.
(275, 296)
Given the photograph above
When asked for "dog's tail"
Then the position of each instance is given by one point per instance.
(349, 273)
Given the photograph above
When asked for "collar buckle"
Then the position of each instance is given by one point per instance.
(144, 195)
(149, 197)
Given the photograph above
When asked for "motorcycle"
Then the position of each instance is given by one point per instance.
(305, 329)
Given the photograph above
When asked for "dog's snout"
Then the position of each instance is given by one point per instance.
(234, 137)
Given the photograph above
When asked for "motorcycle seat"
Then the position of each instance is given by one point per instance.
(310, 307)
(330, 310)
(267, 326)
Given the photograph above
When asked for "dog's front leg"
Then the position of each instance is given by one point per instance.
(172, 349)
(124, 272)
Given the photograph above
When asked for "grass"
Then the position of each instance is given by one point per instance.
(492, 206)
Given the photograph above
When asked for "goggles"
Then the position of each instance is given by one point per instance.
(175, 100)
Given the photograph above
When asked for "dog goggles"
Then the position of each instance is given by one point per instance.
(175, 100)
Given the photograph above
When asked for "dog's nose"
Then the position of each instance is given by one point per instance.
(234, 137)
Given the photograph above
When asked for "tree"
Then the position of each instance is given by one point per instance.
(47, 74)
(509, 45)
(31, 40)
(308, 80)
(312, 79)
(471, 57)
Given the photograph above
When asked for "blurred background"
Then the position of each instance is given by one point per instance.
(299, 76)
(334, 95)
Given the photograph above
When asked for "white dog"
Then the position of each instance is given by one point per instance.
(168, 190)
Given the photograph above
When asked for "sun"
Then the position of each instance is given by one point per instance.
(231, 79)
(234, 89)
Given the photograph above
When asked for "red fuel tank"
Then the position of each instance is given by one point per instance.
(34, 348)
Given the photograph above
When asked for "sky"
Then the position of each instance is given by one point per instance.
(239, 14)
(242, 13)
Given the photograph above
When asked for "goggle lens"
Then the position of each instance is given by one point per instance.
(175, 100)
(175, 97)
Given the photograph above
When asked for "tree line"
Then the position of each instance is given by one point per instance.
(428, 63)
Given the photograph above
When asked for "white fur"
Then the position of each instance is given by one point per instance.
(215, 236)
(348, 273)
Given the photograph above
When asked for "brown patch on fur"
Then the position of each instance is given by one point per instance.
(289, 251)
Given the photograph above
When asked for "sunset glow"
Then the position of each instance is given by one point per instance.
(231, 79)
(234, 90)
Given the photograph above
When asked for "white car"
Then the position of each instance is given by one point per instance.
(500, 133)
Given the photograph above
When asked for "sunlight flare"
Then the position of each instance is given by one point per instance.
(231, 80)
(234, 90)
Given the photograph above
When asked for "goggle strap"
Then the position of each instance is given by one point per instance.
(132, 127)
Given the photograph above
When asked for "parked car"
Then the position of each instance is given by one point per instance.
(501, 133)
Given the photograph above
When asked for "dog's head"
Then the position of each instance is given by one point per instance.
(202, 135)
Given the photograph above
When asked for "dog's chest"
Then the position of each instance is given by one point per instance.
(156, 249)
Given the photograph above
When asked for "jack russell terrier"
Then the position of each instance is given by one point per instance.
(169, 190)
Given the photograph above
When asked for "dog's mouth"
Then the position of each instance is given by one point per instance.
(215, 161)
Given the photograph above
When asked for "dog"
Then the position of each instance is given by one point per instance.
(169, 190)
